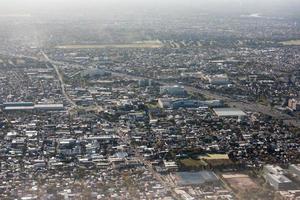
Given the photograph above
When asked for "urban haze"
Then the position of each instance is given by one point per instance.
(150, 99)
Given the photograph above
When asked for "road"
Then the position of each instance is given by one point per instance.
(61, 80)
(54, 64)
(243, 105)
(167, 185)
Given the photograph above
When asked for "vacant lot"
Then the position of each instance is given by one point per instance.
(141, 44)
(240, 182)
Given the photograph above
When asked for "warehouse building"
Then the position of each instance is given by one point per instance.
(274, 175)
(29, 106)
(295, 169)
(229, 112)
(195, 178)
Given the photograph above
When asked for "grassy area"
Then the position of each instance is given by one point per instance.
(152, 106)
(191, 163)
(215, 160)
(291, 43)
(140, 44)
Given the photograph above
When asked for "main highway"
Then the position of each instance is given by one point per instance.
(60, 78)
(231, 101)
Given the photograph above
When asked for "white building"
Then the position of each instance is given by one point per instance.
(220, 79)
(295, 169)
(230, 112)
(294, 104)
(279, 182)
(274, 175)
(173, 90)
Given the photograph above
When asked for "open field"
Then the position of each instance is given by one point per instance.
(240, 182)
(291, 43)
(140, 44)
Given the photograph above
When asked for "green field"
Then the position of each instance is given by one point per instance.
(191, 163)
(139, 44)
(291, 43)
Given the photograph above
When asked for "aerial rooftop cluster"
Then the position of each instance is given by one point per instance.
(184, 109)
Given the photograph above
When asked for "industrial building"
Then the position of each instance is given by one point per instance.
(145, 82)
(294, 104)
(295, 169)
(229, 112)
(49, 107)
(279, 182)
(94, 72)
(274, 175)
(17, 104)
(195, 178)
(173, 90)
(273, 169)
(30, 106)
(187, 103)
(220, 79)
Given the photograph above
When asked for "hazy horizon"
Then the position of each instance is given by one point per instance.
(92, 8)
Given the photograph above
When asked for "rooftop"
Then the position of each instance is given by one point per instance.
(195, 178)
(229, 112)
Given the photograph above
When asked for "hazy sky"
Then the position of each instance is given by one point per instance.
(60, 7)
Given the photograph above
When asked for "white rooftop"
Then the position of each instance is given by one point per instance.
(229, 112)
